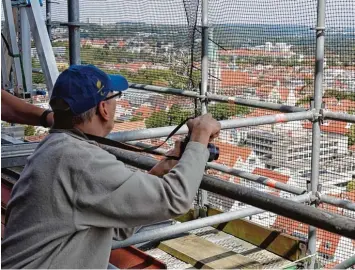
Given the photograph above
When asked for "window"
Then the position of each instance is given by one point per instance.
(252, 161)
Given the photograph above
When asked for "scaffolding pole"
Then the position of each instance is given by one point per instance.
(316, 132)
(173, 230)
(346, 204)
(225, 124)
(255, 103)
(49, 18)
(325, 220)
(219, 98)
(74, 32)
(346, 264)
(257, 178)
(345, 117)
(202, 195)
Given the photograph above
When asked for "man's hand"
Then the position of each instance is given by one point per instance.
(204, 128)
(166, 164)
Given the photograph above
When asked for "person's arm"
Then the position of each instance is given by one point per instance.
(16, 110)
(107, 194)
(202, 131)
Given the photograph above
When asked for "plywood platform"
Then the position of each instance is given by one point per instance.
(266, 259)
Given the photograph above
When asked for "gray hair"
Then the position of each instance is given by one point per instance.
(84, 117)
(63, 118)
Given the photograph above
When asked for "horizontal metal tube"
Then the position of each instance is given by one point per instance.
(346, 204)
(306, 214)
(257, 178)
(302, 213)
(245, 175)
(219, 98)
(166, 232)
(345, 117)
(164, 90)
(346, 264)
(255, 103)
(225, 124)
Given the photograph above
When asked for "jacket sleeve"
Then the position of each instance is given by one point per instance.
(110, 195)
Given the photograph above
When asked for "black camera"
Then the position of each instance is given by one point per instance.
(214, 150)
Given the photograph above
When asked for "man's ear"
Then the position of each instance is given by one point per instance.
(103, 110)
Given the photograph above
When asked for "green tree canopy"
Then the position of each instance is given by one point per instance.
(157, 119)
(350, 186)
(222, 111)
(30, 130)
(351, 135)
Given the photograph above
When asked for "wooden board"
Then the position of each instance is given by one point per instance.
(202, 253)
(284, 245)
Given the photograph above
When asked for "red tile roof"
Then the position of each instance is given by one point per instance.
(144, 111)
(259, 112)
(126, 126)
(35, 138)
(264, 91)
(230, 154)
(246, 52)
(284, 92)
(331, 127)
(232, 78)
(124, 103)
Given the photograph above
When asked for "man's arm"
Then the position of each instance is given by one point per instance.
(16, 110)
(110, 195)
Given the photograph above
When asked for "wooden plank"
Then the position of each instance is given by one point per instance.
(187, 217)
(202, 253)
(286, 246)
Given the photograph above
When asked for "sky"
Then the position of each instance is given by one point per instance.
(339, 13)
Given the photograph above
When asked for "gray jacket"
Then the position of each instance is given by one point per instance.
(73, 197)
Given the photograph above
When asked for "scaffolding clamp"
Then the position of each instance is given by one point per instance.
(322, 114)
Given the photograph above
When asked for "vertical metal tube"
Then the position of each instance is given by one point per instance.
(316, 132)
(204, 76)
(25, 48)
(204, 55)
(74, 32)
(49, 18)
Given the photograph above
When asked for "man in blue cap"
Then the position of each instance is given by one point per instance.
(73, 197)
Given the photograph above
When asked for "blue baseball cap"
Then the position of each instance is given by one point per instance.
(84, 86)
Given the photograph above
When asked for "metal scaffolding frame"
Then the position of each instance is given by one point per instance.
(291, 208)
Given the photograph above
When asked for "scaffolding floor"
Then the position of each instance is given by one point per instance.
(267, 259)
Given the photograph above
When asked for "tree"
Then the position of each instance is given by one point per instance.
(136, 118)
(30, 130)
(351, 135)
(350, 186)
(38, 78)
(157, 119)
(222, 111)
(176, 115)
